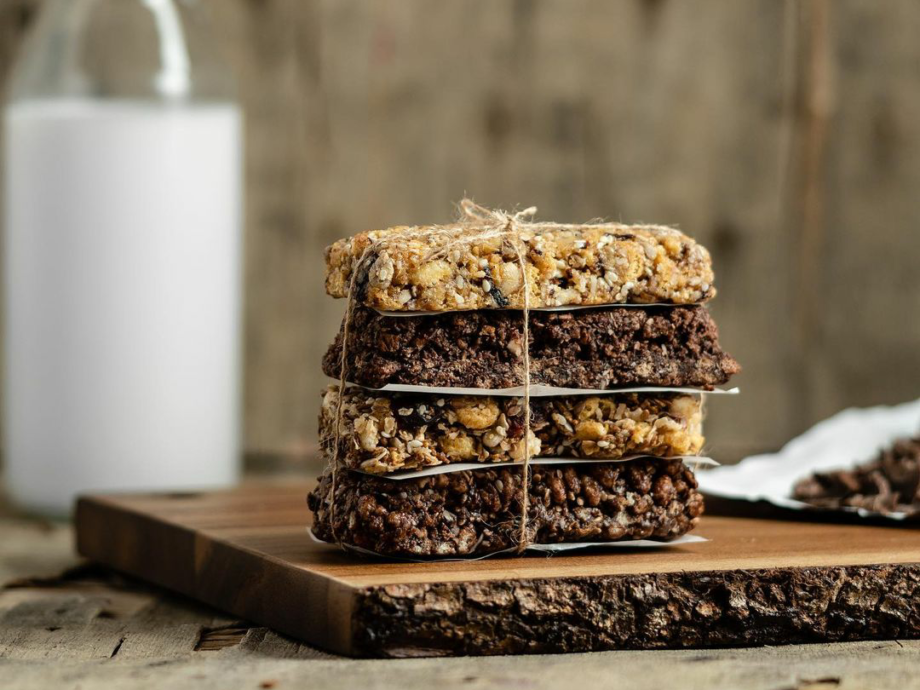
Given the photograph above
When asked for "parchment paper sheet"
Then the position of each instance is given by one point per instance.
(564, 307)
(541, 391)
(548, 549)
(693, 461)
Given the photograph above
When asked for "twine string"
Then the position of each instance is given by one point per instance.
(340, 400)
(525, 469)
(476, 223)
(356, 271)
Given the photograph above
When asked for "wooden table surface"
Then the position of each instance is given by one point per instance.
(67, 624)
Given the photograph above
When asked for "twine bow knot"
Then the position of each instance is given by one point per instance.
(473, 212)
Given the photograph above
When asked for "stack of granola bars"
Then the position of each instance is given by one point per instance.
(432, 433)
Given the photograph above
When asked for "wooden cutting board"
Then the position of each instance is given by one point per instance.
(756, 582)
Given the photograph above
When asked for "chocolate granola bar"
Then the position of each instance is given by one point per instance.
(478, 512)
(888, 483)
(418, 269)
(587, 348)
(389, 432)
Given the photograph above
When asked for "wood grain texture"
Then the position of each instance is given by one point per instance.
(780, 134)
(757, 582)
(117, 632)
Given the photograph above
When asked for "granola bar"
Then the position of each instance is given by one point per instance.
(389, 432)
(591, 348)
(424, 269)
(888, 483)
(478, 512)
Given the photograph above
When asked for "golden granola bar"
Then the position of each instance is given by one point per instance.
(428, 269)
(387, 432)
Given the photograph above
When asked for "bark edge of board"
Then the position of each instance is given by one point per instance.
(654, 611)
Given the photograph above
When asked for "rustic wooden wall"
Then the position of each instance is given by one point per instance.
(782, 134)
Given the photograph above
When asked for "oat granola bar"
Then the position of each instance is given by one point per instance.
(410, 269)
(478, 512)
(387, 432)
(591, 348)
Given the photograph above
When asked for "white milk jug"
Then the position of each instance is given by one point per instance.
(123, 213)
